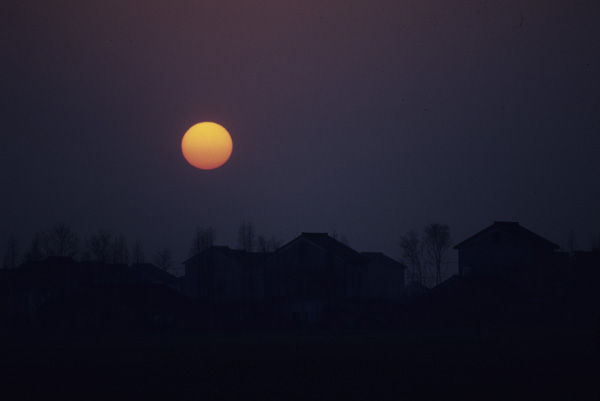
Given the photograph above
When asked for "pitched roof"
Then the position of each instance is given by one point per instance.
(154, 274)
(237, 254)
(327, 243)
(383, 259)
(220, 248)
(514, 230)
(341, 250)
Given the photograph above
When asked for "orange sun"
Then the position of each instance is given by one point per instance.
(206, 146)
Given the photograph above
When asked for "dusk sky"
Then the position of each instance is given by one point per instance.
(370, 118)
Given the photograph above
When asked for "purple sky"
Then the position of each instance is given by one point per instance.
(370, 118)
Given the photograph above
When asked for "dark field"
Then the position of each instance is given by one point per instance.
(403, 365)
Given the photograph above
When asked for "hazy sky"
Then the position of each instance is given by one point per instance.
(370, 118)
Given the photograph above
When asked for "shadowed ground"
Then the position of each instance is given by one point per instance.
(407, 365)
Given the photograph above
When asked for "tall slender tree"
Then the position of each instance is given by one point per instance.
(164, 258)
(120, 253)
(204, 238)
(62, 241)
(437, 240)
(571, 245)
(13, 253)
(137, 252)
(36, 252)
(99, 246)
(413, 257)
(246, 237)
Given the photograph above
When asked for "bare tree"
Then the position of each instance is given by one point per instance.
(120, 253)
(275, 243)
(246, 237)
(137, 252)
(164, 258)
(86, 255)
(339, 237)
(265, 244)
(413, 257)
(99, 246)
(62, 241)
(204, 238)
(12, 254)
(262, 243)
(36, 253)
(571, 243)
(436, 239)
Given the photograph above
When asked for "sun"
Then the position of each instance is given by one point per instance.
(206, 145)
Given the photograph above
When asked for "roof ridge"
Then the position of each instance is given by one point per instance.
(513, 229)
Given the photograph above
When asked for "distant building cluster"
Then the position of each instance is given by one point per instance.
(313, 281)
(309, 281)
(506, 275)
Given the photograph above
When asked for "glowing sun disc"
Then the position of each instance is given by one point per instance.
(206, 145)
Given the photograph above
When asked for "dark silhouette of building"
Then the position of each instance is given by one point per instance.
(63, 293)
(305, 282)
(385, 277)
(316, 280)
(509, 274)
(512, 254)
(225, 275)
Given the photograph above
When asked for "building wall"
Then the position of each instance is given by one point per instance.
(252, 279)
(228, 278)
(385, 282)
(303, 270)
(497, 255)
(224, 277)
(213, 275)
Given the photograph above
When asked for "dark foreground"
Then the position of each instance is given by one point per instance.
(403, 365)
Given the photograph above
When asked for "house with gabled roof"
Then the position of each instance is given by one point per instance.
(64, 285)
(316, 278)
(307, 280)
(317, 267)
(509, 252)
(385, 277)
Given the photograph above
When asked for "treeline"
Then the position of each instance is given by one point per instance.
(61, 241)
(424, 254)
(104, 246)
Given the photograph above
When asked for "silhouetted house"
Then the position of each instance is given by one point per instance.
(307, 281)
(34, 285)
(385, 277)
(316, 280)
(222, 274)
(509, 274)
(511, 254)
(315, 266)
